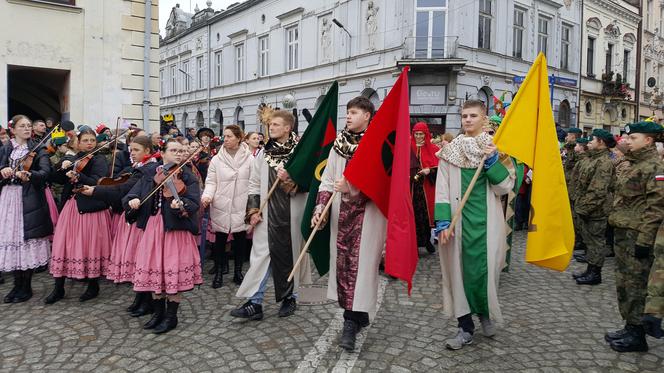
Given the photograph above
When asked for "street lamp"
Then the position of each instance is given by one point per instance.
(336, 22)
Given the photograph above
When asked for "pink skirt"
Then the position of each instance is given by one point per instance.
(167, 262)
(122, 264)
(52, 206)
(116, 219)
(81, 243)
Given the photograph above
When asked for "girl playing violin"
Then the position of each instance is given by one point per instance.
(82, 239)
(24, 217)
(122, 261)
(168, 262)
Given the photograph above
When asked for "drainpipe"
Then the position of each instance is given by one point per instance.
(578, 95)
(637, 75)
(147, 47)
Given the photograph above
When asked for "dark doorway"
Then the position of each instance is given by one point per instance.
(38, 93)
(437, 123)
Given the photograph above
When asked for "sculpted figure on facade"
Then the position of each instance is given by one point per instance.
(326, 40)
(372, 24)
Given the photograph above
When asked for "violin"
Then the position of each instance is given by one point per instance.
(170, 176)
(114, 181)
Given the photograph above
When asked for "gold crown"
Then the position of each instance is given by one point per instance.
(57, 132)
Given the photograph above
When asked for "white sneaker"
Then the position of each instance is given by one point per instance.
(488, 329)
(461, 339)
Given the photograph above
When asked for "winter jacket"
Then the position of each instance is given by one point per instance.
(90, 175)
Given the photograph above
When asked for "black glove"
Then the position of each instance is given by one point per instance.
(653, 326)
(641, 252)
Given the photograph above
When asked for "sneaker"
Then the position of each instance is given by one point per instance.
(249, 310)
(461, 339)
(288, 307)
(349, 335)
(488, 329)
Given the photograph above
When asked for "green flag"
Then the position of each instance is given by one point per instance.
(306, 167)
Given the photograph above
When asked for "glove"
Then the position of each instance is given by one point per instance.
(641, 252)
(653, 326)
(441, 225)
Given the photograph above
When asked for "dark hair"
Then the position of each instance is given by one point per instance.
(38, 121)
(237, 131)
(16, 118)
(144, 141)
(474, 104)
(87, 131)
(609, 142)
(286, 115)
(361, 103)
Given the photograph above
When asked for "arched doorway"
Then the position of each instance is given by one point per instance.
(485, 94)
(200, 121)
(372, 95)
(239, 117)
(218, 120)
(564, 114)
(183, 127)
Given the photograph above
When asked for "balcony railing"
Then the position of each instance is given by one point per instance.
(435, 47)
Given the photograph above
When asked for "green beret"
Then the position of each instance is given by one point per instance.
(582, 140)
(57, 141)
(602, 134)
(496, 119)
(102, 137)
(643, 127)
(574, 130)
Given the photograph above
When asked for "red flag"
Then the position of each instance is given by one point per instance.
(380, 168)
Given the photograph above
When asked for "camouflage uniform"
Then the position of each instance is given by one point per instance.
(636, 217)
(581, 158)
(56, 188)
(592, 202)
(655, 299)
(571, 158)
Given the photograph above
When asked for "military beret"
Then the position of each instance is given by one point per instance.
(496, 119)
(574, 130)
(582, 140)
(643, 127)
(602, 134)
(57, 141)
(102, 137)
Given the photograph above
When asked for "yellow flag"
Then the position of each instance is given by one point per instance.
(528, 133)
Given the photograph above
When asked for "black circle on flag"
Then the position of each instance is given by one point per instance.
(387, 152)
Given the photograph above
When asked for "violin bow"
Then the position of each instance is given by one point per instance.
(115, 147)
(40, 143)
(170, 175)
(93, 152)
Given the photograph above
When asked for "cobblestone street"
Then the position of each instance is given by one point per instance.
(551, 325)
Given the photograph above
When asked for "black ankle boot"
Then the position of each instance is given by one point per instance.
(218, 280)
(58, 291)
(170, 321)
(9, 298)
(145, 306)
(634, 340)
(616, 334)
(136, 303)
(594, 276)
(159, 306)
(91, 291)
(577, 275)
(348, 335)
(238, 260)
(25, 289)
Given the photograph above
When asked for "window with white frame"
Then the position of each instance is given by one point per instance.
(542, 34)
(217, 68)
(518, 30)
(293, 47)
(565, 41)
(174, 79)
(239, 62)
(200, 72)
(264, 52)
(486, 19)
(590, 58)
(187, 79)
(430, 20)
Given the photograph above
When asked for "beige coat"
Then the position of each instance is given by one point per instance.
(227, 183)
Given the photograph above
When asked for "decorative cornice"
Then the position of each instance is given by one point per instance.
(290, 13)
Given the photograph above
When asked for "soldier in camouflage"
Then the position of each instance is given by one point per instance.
(570, 159)
(654, 310)
(593, 203)
(580, 149)
(636, 219)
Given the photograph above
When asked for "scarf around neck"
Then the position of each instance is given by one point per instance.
(277, 154)
(465, 151)
(347, 142)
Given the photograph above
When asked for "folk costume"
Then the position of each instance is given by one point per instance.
(471, 261)
(273, 250)
(423, 187)
(24, 219)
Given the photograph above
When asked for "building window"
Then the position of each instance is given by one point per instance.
(174, 79)
(185, 72)
(608, 67)
(162, 83)
(293, 46)
(565, 46)
(264, 50)
(625, 71)
(486, 18)
(200, 70)
(239, 62)
(217, 68)
(564, 114)
(430, 20)
(542, 34)
(649, 14)
(590, 59)
(517, 33)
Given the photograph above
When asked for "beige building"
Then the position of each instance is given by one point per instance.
(652, 59)
(609, 64)
(82, 60)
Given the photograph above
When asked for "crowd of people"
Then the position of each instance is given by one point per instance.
(132, 207)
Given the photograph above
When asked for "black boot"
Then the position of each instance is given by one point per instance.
(430, 248)
(91, 291)
(9, 298)
(170, 321)
(237, 265)
(25, 289)
(580, 257)
(58, 291)
(224, 262)
(218, 280)
(634, 340)
(145, 306)
(288, 307)
(348, 335)
(159, 306)
(594, 276)
(136, 303)
(577, 275)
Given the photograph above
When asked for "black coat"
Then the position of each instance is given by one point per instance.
(36, 218)
(112, 194)
(172, 219)
(93, 171)
(122, 161)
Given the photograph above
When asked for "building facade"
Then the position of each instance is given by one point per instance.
(81, 60)
(652, 59)
(610, 61)
(217, 67)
